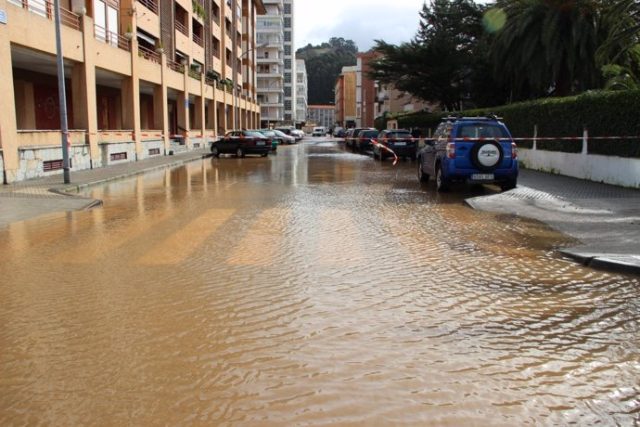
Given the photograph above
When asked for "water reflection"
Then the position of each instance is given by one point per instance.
(312, 287)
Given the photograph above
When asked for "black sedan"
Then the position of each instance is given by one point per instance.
(241, 142)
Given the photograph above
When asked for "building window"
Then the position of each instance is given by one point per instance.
(287, 22)
(287, 105)
(287, 64)
(287, 36)
(215, 45)
(287, 91)
(287, 77)
(287, 50)
(287, 9)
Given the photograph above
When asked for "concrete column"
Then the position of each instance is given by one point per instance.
(8, 128)
(213, 114)
(201, 111)
(160, 105)
(131, 101)
(183, 109)
(86, 87)
(25, 105)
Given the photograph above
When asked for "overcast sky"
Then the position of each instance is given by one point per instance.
(362, 21)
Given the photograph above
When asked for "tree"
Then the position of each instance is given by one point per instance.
(324, 64)
(445, 60)
(548, 46)
(619, 55)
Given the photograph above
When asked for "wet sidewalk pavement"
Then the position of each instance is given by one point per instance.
(604, 218)
(32, 198)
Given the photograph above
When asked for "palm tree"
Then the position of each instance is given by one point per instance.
(619, 55)
(548, 46)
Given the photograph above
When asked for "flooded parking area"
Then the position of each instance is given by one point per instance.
(313, 287)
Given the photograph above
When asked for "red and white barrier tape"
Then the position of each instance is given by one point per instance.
(384, 147)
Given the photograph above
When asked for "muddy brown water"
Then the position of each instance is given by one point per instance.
(314, 287)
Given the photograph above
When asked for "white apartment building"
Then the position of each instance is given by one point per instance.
(289, 65)
(270, 59)
(301, 91)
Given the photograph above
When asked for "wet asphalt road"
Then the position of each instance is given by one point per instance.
(312, 287)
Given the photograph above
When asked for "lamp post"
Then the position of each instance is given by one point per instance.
(62, 97)
(235, 84)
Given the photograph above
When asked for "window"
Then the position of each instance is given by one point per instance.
(287, 36)
(287, 50)
(215, 45)
(287, 9)
(287, 77)
(287, 64)
(287, 91)
(287, 22)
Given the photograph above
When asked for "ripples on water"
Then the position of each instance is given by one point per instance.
(297, 290)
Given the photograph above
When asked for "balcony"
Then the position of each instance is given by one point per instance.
(152, 5)
(198, 40)
(182, 28)
(45, 8)
(111, 38)
(148, 54)
(270, 60)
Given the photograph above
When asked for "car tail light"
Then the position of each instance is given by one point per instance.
(514, 151)
(451, 150)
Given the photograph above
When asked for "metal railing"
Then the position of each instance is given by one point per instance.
(45, 8)
(151, 5)
(195, 74)
(111, 38)
(198, 40)
(182, 28)
(175, 66)
(148, 54)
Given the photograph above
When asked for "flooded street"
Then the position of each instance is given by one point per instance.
(313, 287)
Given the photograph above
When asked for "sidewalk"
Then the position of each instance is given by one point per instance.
(32, 198)
(605, 218)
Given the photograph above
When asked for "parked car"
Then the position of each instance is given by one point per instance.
(400, 141)
(292, 132)
(470, 149)
(297, 134)
(339, 132)
(363, 140)
(319, 131)
(286, 139)
(351, 136)
(242, 142)
(275, 139)
(355, 138)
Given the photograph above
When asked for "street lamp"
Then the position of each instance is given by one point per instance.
(235, 85)
(62, 97)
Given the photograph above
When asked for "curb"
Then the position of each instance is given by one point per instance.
(603, 262)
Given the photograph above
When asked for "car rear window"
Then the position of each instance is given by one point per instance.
(255, 134)
(369, 134)
(481, 131)
(399, 135)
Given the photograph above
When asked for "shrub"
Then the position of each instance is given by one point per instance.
(601, 113)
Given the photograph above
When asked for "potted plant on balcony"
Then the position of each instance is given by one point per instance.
(129, 33)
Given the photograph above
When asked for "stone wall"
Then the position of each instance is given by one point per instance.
(32, 160)
(116, 153)
(152, 148)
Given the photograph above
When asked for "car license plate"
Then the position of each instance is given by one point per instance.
(400, 144)
(260, 143)
(482, 177)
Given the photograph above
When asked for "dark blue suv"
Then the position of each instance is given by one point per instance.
(470, 149)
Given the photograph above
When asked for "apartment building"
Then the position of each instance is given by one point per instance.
(390, 100)
(345, 97)
(302, 91)
(322, 115)
(289, 65)
(142, 78)
(365, 91)
(270, 41)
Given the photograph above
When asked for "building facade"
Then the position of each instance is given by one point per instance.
(345, 97)
(289, 65)
(142, 78)
(365, 91)
(390, 100)
(321, 115)
(270, 40)
(302, 91)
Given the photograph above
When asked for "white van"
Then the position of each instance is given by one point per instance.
(319, 131)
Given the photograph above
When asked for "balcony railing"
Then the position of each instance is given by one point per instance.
(182, 28)
(45, 8)
(111, 38)
(175, 66)
(198, 40)
(152, 5)
(195, 75)
(148, 54)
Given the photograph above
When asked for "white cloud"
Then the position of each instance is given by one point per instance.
(362, 21)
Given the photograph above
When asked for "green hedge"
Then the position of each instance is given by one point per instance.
(601, 113)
